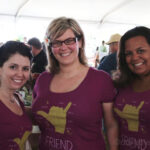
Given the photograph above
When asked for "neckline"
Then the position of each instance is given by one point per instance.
(10, 111)
(72, 91)
(132, 90)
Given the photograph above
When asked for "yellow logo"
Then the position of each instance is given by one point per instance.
(131, 115)
(21, 142)
(57, 117)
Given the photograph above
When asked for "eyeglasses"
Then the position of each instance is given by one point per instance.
(68, 41)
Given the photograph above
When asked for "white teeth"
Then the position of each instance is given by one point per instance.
(66, 54)
(17, 81)
(138, 64)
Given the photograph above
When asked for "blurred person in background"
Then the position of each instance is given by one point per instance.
(109, 63)
(39, 61)
(100, 53)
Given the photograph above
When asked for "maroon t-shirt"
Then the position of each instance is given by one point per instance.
(14, 129)
(132, 111)
(72, 120)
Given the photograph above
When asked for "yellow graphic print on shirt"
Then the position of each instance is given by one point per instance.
(131, 115)
(57, 117)
(21, 142)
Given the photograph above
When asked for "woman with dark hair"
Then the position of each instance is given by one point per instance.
(71, 99)
(133, 81)
(15, 126)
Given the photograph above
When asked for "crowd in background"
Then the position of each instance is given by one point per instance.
(75, 106)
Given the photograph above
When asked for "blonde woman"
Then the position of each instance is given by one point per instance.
(71, 99)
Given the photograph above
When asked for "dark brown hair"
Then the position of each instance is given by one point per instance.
(124, 76)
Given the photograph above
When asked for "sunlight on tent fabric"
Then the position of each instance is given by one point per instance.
(99, 19)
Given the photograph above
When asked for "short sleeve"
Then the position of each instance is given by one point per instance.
(109, 92)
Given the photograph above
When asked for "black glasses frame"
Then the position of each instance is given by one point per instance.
(68, 41)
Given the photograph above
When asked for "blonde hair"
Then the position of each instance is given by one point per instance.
(57, 28)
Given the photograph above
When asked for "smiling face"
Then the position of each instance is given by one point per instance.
(67, 54)
(15, 72)
(137, 52)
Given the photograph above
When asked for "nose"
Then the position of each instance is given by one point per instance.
(135, 56)
(63, 46)
(19, 72)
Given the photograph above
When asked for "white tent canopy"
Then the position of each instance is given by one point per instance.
(95, 11)
(98, 18)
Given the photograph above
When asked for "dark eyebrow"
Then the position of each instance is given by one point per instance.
(140, 48)
(65, 39)
(13, 64)
(18, 65)
(136, 48)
